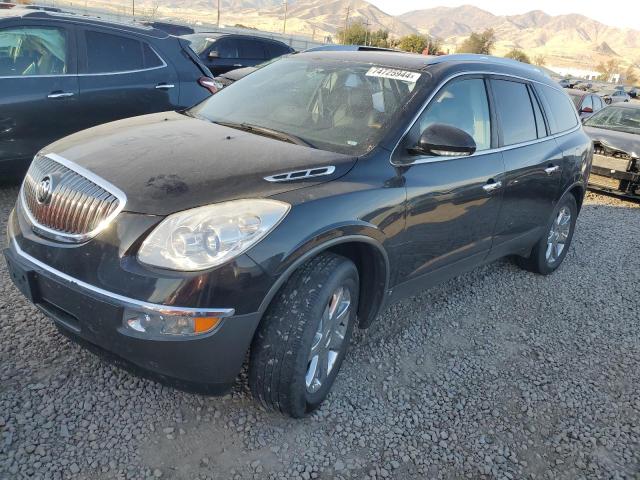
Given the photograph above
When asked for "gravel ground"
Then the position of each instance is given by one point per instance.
(497, 374)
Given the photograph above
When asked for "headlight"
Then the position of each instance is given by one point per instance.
(205, 237)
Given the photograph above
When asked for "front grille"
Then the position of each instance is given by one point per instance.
(67, 203)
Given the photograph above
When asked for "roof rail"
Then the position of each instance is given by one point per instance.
(473, 57)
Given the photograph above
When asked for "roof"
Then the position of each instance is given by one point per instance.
(215, 35)
(133, 27)
(413, 61)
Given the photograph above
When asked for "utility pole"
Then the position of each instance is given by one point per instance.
(346, 24)
(218, 18)
(366, 32)
(284, 27)
(133, 8)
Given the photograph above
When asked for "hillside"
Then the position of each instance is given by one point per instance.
(564, 39)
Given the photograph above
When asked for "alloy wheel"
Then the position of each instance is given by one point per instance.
(328, 339)
(558, 235)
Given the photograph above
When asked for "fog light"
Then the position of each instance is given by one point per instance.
(157, 324)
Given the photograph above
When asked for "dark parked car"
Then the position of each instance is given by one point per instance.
(63, 73)
(615, 132)
(224, 52)
(586, 103)
(634, 92)
(277, 223)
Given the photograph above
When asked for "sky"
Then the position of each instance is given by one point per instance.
(618, 13)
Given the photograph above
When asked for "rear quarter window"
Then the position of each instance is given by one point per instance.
(559, 108)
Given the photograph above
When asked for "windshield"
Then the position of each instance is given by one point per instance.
(622, 119)
(199, 43)
(331, 105)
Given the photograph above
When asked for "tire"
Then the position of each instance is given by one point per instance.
(282, 376)
(545, 259)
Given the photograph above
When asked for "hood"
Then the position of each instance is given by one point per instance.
(169, 162)
(623, 141)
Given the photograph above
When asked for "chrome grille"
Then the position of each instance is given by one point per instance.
(66, 202)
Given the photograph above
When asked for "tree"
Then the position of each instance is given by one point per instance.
(631, 76)
(607, 69)
(540, 60)
(481, 43)
(379, 38)
(518, 55)
(355, 34)
(419, 44)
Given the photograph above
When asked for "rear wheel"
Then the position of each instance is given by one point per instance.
(549, 252)
(303, 338)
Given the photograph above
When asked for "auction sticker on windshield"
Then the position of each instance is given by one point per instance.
(393, 74)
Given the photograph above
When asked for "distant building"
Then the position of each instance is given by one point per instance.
(582, 73)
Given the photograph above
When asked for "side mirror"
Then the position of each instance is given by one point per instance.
(587, 110)
(213, 54)
(444, 140)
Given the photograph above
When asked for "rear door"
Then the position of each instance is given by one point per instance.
(38, 88)
(452, 203)
(252, 51)
(533, 164)
(123, 76)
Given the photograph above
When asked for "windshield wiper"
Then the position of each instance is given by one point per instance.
(267, 132)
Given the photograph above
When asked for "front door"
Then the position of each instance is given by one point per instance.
(39, 91)
(123, 77)
(452, 203)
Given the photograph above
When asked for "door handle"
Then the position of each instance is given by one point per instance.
(492, 186)
(164, 86)
(551, 170)
(60, 95)
(237, 64)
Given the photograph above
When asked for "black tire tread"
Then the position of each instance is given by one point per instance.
(281, 333)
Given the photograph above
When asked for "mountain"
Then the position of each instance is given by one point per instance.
(563, 39)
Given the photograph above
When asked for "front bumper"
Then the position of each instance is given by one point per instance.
(93, 316)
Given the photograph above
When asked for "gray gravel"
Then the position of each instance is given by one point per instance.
(498, 374)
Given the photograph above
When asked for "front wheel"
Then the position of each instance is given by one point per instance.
(547, 255)
(303, 338)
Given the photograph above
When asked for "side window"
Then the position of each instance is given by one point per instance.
(558, 105)
(107, 53)
(151, 58)
(587, 102)
(31, 51)
(227, 48)
(540, 125)
(515, 111)
(276, 49)
(462, 104)
(251, 49)
(597, 104)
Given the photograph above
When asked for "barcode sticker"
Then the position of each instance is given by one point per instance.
(393, 74)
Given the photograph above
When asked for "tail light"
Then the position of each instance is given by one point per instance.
(209, 83)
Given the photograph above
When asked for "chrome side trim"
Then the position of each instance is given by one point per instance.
(92, 177)
(301, 174)
(120, 299)
(440, 86)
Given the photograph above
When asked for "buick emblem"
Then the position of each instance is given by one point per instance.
(44, 190)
